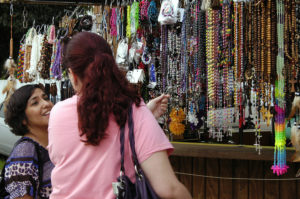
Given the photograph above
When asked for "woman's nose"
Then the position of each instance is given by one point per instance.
(47, 103)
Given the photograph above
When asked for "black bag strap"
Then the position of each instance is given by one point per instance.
(131, 140)
(3, 192)
(2, 181)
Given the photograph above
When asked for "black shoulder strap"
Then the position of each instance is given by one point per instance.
(131, 141)
(3, 192)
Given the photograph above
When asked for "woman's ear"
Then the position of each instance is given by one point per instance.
(74, 79)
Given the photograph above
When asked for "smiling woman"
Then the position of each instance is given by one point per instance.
(28, 168)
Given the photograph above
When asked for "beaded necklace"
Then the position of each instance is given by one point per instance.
(210, 68)
(279, 167)
(188, 67)
(184, 52)
(45, 59)
(103, 24)
(290, 44)
(144, 12)
(262, 44)
(134, 17)
(241, 64)
(259, 73)
(198, 52)
(195, 46)
(119, 24)
(113, 22)
(128, 27)
(298, 45)
(239, 34)
(236, 24)
(202, 48)
(227, 78)
(253, 54)
(163, 57)
(268, 46)
(20, 67)
(194, 73)
(152, 13)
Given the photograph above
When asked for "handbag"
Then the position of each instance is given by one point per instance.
(124, 188)
(3, 192)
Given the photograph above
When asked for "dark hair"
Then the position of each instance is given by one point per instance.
(15, 108)
(105, 89)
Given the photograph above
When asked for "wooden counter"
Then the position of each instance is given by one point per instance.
(226, 151)
(223, 171)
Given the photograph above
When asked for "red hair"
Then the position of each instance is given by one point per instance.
(105, 89)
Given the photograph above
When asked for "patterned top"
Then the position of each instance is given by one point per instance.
(22, 170)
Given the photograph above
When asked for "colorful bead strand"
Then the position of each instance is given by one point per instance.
(279, 167)
(20, 62)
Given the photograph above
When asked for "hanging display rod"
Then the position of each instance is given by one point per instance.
(58, 2)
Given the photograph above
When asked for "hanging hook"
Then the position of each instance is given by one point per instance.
(23, 38)
(46, 28)
(33, 24)
(111, 3)
(11, 8)
(53, 20)
(25, 13)
(105, 2)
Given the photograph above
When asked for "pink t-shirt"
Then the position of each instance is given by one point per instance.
(86, 172)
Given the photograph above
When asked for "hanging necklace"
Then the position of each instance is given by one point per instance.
(128, 27)
(134, 17)
(210, 68)
(113, 22)
(20, 67)
(144, 4)
(279, 167)
(268, 63)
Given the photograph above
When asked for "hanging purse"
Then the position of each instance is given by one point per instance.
(124, 188)
(168, 12)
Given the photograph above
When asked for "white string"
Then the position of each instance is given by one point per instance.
(230, 178)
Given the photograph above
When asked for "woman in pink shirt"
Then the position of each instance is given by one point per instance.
(84, 131)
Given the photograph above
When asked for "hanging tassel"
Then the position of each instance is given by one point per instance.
(10, 64)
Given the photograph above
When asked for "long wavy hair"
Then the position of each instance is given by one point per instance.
(105, 89)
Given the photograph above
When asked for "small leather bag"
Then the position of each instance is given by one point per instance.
(124, 188)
